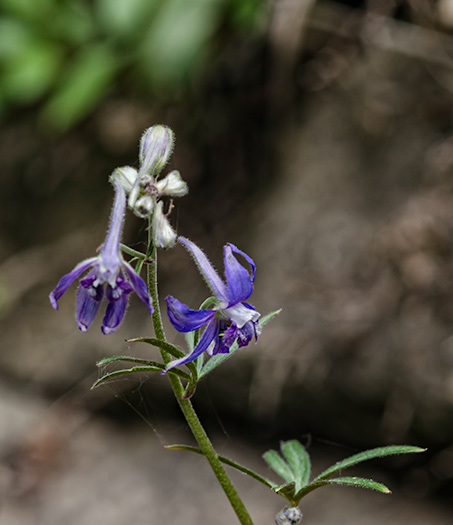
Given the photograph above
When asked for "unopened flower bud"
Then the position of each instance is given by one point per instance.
(163, 234)
(156, 146)
(289, 516)
(126, 177)
(143, 206)
(172, 185)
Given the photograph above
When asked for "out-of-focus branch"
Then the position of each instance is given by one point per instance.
(387, 33)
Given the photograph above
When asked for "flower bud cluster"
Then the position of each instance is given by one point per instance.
(145, 188)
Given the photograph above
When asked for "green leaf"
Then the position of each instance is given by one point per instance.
(16, 36)
(27, 9)
(347, 481)
(177, 39)
(279, 465)
(132, 252)
(228, 462)
(82, 86)
(218, 359)
(248, 13)
(122, 18)
(107, 360)
(162, 345)
(28, 73)
(299, 461)
(158, 367)
(365, 456)
(73, 23)
(170, 349)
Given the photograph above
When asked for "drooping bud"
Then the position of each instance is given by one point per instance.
(163, 234)
(126, 177)
(289, 516)
(143, 206)
(172, 185)
(156, 146)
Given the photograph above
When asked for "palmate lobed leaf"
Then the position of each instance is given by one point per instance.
(296, 469)
(294, 466)
(297, 456)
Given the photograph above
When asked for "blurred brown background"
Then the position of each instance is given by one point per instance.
(316, 136)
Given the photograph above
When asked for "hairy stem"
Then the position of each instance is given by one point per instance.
(187, 407)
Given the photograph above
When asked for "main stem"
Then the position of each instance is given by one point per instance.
(187, 407)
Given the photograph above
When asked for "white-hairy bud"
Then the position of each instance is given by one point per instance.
(126, 176)
(163, 234)
(172, 185)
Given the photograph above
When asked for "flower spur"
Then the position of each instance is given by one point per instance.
(232, 319)
(110, 276)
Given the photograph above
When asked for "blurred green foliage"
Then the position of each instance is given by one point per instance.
(65, 55)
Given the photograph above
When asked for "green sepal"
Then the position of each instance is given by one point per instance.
(365, 456)
(157, 367)
(229, 462)
(218, 359)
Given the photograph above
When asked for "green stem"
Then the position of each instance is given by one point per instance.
(187, 407)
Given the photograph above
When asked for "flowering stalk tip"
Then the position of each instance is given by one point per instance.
(144, 187)
(109, 276)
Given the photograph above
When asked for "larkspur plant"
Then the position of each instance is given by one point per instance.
(224, 323)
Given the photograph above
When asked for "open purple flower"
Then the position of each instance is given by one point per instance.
(110, 276)
(232, 319)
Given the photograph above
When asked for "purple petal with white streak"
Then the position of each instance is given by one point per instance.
(183, 318)
(211, 333)
(240, 285)
(139, 286)
(247, 258)
(66, 281)
(116, 307)
(89, 300)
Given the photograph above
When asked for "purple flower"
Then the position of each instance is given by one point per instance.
(109, 276)
(232, 319)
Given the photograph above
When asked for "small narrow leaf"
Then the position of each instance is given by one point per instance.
(133, 253)
(365, 456)
(158, 368)
(113, 358)
(170, 349)
(218, 359)
(346, 481)
(279, 465)
(228, 462)
(299, 461)
(162, 345)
